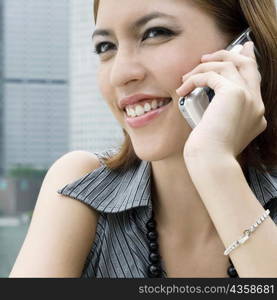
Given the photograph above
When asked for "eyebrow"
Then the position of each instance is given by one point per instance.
(137, 24)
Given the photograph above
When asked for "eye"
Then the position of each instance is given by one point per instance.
(102, 47)
(157, 31)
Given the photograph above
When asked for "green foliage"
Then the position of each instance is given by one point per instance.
(27, 172)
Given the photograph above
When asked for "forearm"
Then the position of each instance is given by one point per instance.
(233, 208)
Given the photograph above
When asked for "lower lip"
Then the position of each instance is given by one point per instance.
(145, 119)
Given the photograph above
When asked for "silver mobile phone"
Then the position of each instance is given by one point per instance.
(194, 104)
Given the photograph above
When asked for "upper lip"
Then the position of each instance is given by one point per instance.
(136, 98)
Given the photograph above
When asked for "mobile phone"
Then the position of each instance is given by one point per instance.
(194, 104)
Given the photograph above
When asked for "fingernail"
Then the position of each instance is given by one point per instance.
(178, 90)
(206, 56)
(185, 76)
(250, 44)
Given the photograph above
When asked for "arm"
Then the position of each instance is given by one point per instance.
(233, 208)
(62, 229)
(233, 119)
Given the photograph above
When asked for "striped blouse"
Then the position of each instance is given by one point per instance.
(123, 200)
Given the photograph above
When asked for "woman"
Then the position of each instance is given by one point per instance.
(171, 200)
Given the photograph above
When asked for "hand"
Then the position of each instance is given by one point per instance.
(235, 115)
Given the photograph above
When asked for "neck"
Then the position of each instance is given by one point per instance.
(179, 210)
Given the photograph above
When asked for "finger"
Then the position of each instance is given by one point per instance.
(226, 69)
(210, 79)
(248, 50)
(246, 65)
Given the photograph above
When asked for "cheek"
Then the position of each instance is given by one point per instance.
(107, 93)
(172, 63)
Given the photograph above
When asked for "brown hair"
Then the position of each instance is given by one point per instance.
(232, 17)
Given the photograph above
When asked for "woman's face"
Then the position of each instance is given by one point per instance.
(136, 60)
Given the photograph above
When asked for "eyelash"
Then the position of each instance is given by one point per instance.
(165, 31)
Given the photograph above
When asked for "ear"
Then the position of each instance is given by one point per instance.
(248, 50)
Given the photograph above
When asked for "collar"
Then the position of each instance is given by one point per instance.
(263, 185)
(111, 191)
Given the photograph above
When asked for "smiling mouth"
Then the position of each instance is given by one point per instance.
(145, 118)
(148, 106)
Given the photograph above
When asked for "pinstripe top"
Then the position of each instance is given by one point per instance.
(123, 200)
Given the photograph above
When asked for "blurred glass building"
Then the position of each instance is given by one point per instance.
(51, 100)
(36, 82)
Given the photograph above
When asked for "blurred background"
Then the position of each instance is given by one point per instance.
(49, 104)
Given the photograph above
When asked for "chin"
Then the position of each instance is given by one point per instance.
(159, 144)
(155, 152)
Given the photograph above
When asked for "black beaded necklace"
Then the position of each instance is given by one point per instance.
(155, 269)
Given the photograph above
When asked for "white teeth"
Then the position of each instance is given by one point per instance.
(147, 107)
(130, 112)
(139, 110)
(154, 104)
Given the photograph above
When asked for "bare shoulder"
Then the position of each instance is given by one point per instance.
(62, 229)
(77, 161)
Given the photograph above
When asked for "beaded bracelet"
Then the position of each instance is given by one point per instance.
(247, 233)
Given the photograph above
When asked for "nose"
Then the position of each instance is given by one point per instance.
(126, 68)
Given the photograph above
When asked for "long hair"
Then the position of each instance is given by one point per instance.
(232, 17)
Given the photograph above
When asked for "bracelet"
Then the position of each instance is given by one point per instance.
(247, 233)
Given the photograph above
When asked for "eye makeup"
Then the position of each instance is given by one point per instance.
(161, 32)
